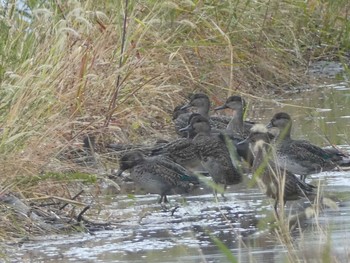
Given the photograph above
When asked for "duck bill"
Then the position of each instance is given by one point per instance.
(243, 142)
(187, 128)
(221, 107)
(120, 172)
(186, 106)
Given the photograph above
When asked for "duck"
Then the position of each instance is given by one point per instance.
(119, 148)
(237, 126)
(202, 103)
(181, 151)
(271, 177)
(300, 156)
(180, 119)
(214, 152)
(157, 175)
(242, 149)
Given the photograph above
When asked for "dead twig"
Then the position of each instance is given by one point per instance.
(80, 216)
(73, 198)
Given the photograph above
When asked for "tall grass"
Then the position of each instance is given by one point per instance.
(61, 61)
(60, 64)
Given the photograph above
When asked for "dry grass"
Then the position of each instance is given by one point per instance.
(60, 68)
(65, 78)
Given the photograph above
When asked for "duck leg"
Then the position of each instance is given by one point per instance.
(163, 199)
(223, 193)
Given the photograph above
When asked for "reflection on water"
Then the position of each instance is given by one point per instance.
(151, 234)
(146, 232)
(318, 114)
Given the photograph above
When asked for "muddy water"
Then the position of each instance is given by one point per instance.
(146, 232)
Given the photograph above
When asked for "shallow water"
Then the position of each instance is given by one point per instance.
(147, 232)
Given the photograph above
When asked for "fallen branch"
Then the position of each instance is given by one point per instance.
(73, 198)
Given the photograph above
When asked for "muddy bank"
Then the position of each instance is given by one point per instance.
(137, 229)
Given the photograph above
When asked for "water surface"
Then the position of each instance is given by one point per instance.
(143, 231)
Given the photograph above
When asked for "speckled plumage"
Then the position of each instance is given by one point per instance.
(157, 175)
(214, 153)
(180, 119)
(182, 151)
(272, 177)
(299, 156)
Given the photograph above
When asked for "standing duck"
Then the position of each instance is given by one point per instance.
(277, 182)
(157, 175)
(214, 153)
(236, 125)
(300, 156)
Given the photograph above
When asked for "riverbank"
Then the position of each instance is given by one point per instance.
(65, 75)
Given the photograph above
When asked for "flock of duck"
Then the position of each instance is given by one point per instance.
(216, 146)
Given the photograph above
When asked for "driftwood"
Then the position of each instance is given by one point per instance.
(51, 217)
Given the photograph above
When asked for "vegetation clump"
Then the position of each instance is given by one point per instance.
(116, 69)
